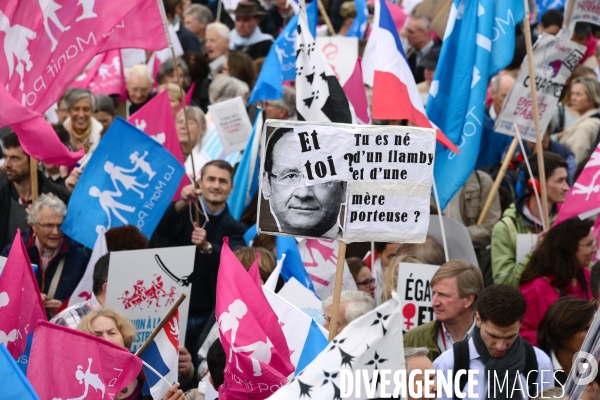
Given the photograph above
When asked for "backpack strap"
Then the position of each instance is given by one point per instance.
(461, 361)
(531, 364)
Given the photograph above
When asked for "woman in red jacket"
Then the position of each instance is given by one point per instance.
(558, 268)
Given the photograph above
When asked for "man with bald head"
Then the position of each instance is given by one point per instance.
(493, 144)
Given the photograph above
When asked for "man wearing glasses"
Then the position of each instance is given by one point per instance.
(297, 209)
(139, 85)
(61, 263)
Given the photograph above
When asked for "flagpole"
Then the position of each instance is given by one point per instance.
(326, 17)
(156, 373)
(33, 170)
(160, 325)
(536, 119)
(337, 290)
(220, 6)
(187, 126)
(498, 181)
(441, 215)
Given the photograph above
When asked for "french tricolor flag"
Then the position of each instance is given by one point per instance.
(386, 70)
(163, 356)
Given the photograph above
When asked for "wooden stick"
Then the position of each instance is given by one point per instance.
(441, 215)
(162, 323)
(220, 6)
(337, 291)
(536, 120)
(498, 181)
(569, 14)
(187, 126)
(326, 17)
(33, 169)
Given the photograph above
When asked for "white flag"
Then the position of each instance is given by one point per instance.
(371, 342)
(319, 95)
(84, 289)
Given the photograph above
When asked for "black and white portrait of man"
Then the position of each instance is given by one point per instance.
(293, 207)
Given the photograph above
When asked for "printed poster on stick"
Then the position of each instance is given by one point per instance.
(414, 289)
(144, 285)
(555, 58)
(347, 182)
(232, 123)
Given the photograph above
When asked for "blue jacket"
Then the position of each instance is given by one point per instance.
(492, 146)
(76, 261)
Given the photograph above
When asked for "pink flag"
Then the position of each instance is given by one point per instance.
(157, 120)
(584, 196)
(188, 96)
(84, 366)
(105, 76)
(21, 304)
(355, 91)
(258, 357)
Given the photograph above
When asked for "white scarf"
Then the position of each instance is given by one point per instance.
(236, 41)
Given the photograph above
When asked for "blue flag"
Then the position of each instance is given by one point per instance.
(280, 64)
(245, 181)
(359, 26)
(292, 265)
(479, 41)
(315, 343)
(129, 180)
(13, 384)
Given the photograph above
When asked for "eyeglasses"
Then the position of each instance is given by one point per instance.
(367, 282)
(50, 227)
(140, 90)
(592, 245)
(293, 178)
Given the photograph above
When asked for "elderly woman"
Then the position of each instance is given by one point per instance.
(138, 82)
(84, 129)
(166, 73)
(175, 97)
(197, 128)
(111, 325)
(557, 268)
(226, 87)
(61, 263)
(581, 136)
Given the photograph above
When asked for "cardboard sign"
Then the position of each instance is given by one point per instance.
(341, 53)
(459, 241)
(525, 244)
(144, 291)
(319, 257)
(555, 58)
(414, 289)
(232, 123)
(346, 182)
(585, 11)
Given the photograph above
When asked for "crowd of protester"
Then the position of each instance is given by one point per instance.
(547, 299)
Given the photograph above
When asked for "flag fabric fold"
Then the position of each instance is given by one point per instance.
(359, 25)
(370, 342)
(319, 95)
(280, 64)
(258, 356)
(163, 355)
(89, 367)
(472, 52)
(292, 265)
(245, 181)
(21, 303)
(85, 287)
(385, 68)
(355, 91)
(13, 384)
(106, 76)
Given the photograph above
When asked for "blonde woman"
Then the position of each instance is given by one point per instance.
(175, 96)
(111, 325)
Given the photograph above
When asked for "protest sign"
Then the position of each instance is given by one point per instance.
(232, 123)
(144, 284)
(414, 289)
(339, 181)
(525, 244)
(129, 180)
(555, 58)
(319, 257)
(459, 241)
(341, 53)
(2, 263)
(585, 11)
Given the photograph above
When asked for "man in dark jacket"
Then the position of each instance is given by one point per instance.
(247, 35)
(216, 185)
(61, 263)
(16, 190)
(174, 12)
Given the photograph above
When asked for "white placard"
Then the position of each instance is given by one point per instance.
(459, 241)
(2, 263)
(525, 244)
(554, 58)
(133, 57)
(341, 53)
(144, 292)
(338, 181)
(232, 123)
(585, 11)
(414, 289)
(304, 299)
